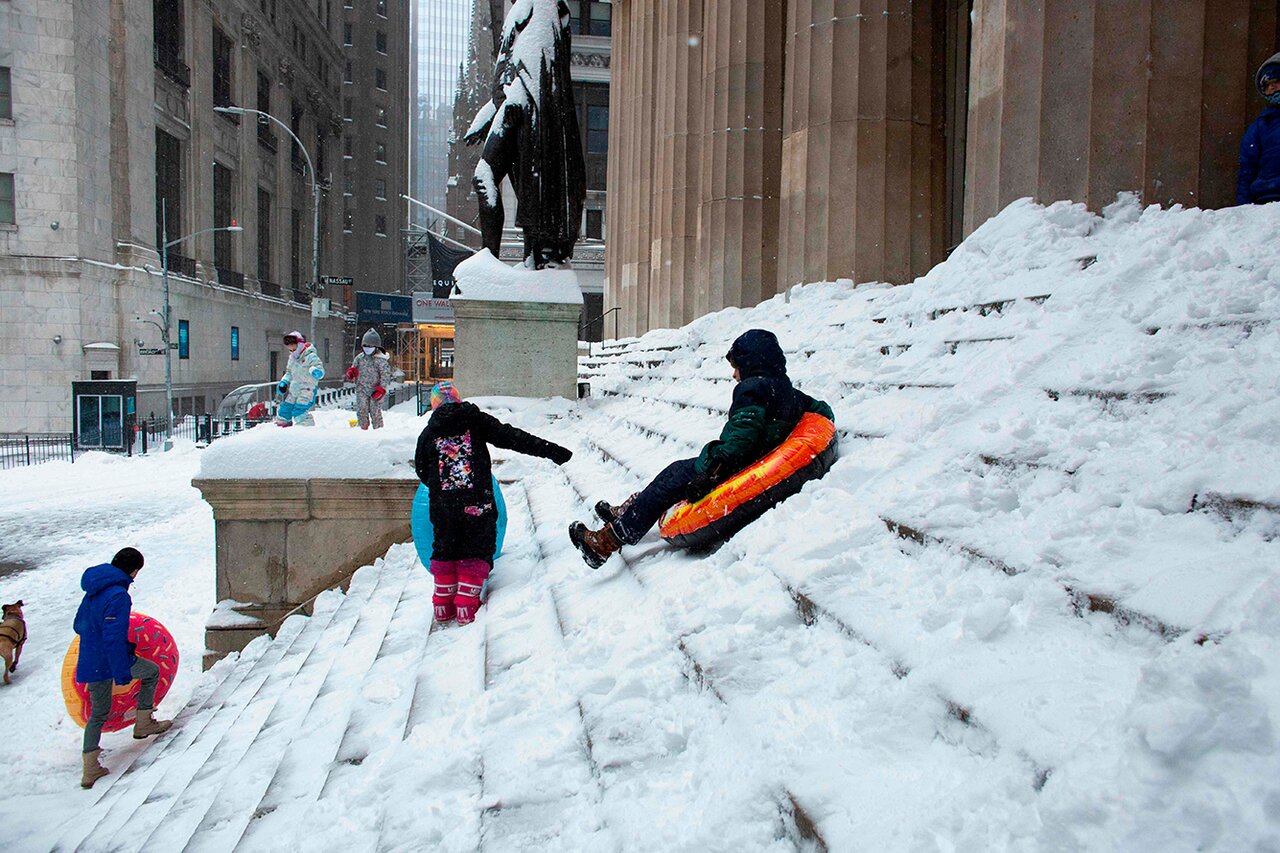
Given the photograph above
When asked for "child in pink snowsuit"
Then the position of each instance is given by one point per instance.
(452, 460)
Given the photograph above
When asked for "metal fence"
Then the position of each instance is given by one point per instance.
(19, 450)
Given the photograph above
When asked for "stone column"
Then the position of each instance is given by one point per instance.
(863, 175)
(678, 92)
(741, 152)
(1081, 99)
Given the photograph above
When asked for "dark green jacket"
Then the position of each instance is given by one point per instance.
(766, 407)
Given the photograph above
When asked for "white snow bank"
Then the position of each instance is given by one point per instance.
(484, 278)
(331, 449)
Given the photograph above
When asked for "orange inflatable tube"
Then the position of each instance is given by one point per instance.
(807, 454)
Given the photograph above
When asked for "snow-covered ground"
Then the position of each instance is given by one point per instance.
(1033, 606)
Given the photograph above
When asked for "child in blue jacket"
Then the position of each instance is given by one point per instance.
(106, 655)
(1259, 180)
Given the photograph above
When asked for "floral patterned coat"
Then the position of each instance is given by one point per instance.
(453, 461)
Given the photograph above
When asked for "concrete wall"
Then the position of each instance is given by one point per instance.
(517, 349)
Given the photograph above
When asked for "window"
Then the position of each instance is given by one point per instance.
(380, 42)
(590, 17)
(348, 220)
(184, 339)
(382, 8)
(380, 78)
(346, 147)
(6, 93)
(222, 216)
(222, 52)
(348, 4)
(235, 343)
(348, 108)
(380, 152)
(381, 119)
(380, 189)
(348, 34)
(595, 224)
(265, 135)
(264, 235)
(321, 158)
(166, 30)
(349, 72)
(349, 185)
(380, 225)
(295, 124)
(7, 206)
(168, 187)
(597, 129)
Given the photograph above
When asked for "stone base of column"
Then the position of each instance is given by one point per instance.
(515, 330)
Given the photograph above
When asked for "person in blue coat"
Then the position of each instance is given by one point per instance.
(106, 655)
(1259, 180)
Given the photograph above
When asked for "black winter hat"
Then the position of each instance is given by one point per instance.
(127, 560)
(756, 352)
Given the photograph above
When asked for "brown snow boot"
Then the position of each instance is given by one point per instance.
(145, 726)
(609, 513)
(596, 545)
(93, 771)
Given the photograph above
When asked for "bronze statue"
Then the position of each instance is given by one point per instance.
(530, 133)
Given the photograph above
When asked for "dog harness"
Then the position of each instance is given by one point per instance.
(15, 630)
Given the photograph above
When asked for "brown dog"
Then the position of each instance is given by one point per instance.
(13, 634)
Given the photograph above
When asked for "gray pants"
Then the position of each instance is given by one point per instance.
(100, 699)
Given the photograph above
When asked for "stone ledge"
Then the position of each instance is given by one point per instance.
(280, 543)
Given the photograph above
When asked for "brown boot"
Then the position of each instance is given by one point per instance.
(596, 545)
(609, 513)
(93, 771)
(145, 726)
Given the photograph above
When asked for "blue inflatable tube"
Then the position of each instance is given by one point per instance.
(424, 534)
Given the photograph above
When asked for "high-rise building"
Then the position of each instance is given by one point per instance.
(374, 168)
(438, 47)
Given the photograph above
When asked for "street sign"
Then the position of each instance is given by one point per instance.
(150, 350)
(337, 280)
(383, 307)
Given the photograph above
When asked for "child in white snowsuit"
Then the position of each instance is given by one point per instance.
(371, 371)
(452, 460)
(301, 380)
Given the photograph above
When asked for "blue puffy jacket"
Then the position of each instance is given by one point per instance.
(1260, 160)
(103, 625)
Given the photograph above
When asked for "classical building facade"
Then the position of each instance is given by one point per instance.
(757, 144)
(108, 133)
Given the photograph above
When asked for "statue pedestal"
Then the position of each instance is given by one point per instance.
(515, 330)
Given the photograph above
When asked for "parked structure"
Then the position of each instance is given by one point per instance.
(757, 144)
(108, 127)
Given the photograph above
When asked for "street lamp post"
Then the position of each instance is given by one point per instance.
(165, 315)
(264, 117)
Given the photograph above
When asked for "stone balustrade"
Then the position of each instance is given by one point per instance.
(280, 543)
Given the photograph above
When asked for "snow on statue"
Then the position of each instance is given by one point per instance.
(530, 133)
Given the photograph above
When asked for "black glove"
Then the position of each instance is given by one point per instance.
(560, 455)
(698, 487)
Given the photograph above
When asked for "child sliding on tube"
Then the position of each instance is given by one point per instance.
(301, 380)
(452, 460)
(765, 409)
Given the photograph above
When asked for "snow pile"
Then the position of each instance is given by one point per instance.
(484, 278)
(331, 450)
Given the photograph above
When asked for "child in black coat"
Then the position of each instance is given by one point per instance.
(452, 459)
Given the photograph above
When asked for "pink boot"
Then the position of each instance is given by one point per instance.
(471, 577)
(446, 580)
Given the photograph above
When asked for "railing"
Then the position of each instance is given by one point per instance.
(18, 450)
(230, 278)
(269, 288)
(301, 296)
(182, 265)
(172, 66)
